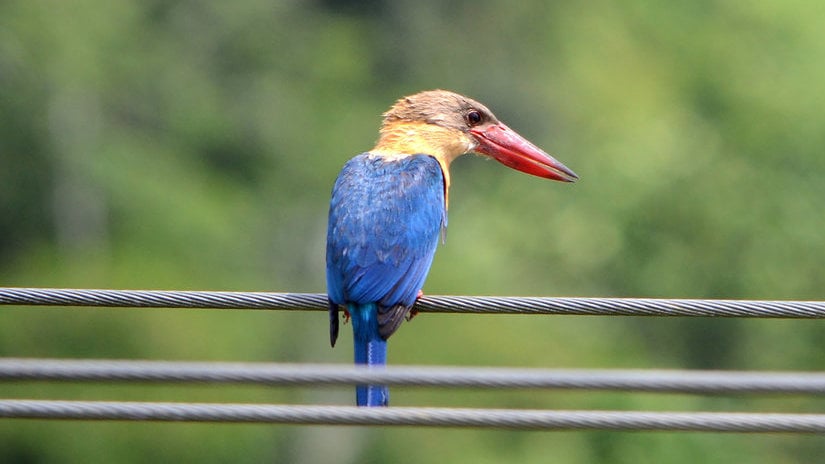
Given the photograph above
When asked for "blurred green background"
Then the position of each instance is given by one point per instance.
(193, 145)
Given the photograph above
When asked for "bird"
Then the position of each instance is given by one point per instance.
(388, 212)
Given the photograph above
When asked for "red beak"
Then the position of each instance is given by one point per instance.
(513, 150)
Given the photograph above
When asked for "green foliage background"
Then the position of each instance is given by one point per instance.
(192, 145)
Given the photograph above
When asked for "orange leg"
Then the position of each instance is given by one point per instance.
(414, 312)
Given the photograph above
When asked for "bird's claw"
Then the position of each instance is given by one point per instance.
(346, 316)
(414, 312)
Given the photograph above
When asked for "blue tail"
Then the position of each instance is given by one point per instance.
(370, 349)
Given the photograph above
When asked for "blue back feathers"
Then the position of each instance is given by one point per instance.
(385, 220)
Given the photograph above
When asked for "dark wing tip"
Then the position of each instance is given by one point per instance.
(333, 323)
(390, 318)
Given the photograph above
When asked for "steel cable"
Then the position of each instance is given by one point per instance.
(437, 304)
(672, 381)
(704, 382)
(440, 417)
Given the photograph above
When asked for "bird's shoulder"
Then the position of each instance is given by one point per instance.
(374, 178)
(375, 164)
(370, 185)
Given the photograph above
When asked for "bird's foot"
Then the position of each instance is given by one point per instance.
(414, 312)
(346, 316)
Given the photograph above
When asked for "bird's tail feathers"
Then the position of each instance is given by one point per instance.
(371, 350)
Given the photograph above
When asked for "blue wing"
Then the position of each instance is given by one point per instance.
(384, 223)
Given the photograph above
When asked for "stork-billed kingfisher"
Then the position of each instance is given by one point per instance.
(389, 208)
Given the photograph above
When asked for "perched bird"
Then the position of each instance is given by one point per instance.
(389, 208)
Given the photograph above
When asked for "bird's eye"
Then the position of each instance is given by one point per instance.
(474, 118)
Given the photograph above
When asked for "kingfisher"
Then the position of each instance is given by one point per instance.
(389, 211)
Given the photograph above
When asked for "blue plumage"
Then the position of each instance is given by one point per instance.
(385, 219)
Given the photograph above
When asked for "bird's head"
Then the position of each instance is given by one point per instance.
(446, 125)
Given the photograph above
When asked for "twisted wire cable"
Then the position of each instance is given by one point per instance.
(437, 304)
(160, 299)
(441, 417)
(672, 381)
